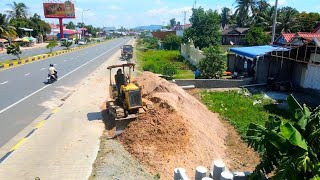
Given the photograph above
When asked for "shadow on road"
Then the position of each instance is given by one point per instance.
(94, 116)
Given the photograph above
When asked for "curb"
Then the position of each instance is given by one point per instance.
(43, 56)
(38, 126)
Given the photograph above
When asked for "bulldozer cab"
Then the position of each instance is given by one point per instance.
(126, 97)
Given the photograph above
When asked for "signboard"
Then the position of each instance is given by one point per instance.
(59, 10)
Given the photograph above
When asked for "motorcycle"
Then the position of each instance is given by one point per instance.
(52, 78)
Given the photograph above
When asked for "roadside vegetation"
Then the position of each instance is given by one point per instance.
(239, 109)
(167, 62)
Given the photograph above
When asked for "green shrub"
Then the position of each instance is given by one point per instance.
(149, 67)
(14, 49)
(169, 70)
(214, 63)
(52, 44)
(67, 44)
(172, 42)
(289, 149)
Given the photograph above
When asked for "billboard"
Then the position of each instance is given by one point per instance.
(59, 10)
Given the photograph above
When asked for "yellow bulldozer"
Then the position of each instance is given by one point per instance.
(125, 96)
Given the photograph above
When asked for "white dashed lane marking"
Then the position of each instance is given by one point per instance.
(42, 69)
(4, 83)
(27, 74)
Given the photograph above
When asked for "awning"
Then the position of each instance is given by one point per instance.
(255, 51)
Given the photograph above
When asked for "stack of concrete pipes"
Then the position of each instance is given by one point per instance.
(219, 172)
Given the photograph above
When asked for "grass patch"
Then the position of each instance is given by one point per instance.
(157, 61)
(239, 109)
(184, 74)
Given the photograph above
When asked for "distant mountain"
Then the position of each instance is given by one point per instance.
(150, 27)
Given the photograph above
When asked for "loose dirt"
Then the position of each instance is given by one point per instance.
(179, 132)
(239, 157)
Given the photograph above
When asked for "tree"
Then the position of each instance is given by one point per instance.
(225, 16)
(14, 49)
(256, 36)
(264, 18)
(18, 10)
(205, 28)
(6, 30)
(67, 44)
(39, 26)
(70, 25)
(243, 10)
(52, 44)
(169, 70)
(307, 21)
(288, 20)
(173, 22)
(289, 149)
(214, 63)
(80, 25)
(172, 42)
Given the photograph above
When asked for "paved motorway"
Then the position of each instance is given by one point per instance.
(23, 92)
(31, 52)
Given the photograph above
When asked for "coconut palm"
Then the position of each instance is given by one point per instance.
(244, 9)
(225, 16)
(288, 19)
(6, 31)
(264, 18)
(18, 10)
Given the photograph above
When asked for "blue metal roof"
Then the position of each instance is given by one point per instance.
(255, 51)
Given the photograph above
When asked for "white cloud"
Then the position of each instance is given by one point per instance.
(280, 2)
(165, 11)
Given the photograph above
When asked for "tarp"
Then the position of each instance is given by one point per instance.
(255, 51)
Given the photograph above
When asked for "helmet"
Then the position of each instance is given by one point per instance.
(51, 65)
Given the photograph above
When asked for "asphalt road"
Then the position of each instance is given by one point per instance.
(31, 52)
(23, 91)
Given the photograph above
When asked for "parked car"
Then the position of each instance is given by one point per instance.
(82, 42)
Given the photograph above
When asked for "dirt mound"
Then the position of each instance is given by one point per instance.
(179, 132)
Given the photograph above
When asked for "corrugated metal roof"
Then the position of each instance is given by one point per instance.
(288, 36)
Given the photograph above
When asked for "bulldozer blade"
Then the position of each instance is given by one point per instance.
(122, 123)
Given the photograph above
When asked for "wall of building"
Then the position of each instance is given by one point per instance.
(214, 83)
(312, 77)
(192, 54)
(269, 66)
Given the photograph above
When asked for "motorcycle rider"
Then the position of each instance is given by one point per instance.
(53, 71)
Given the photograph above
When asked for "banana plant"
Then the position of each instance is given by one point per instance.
(290, 150)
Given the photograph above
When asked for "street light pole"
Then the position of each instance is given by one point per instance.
(274, 21)
(82, 20)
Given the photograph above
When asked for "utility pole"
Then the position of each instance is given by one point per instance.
(274, 21)
(195, 4)
(184, 19)
(82, 20)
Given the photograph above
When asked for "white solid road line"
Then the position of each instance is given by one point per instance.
(4, 83)
(14, 104)
(27, 74)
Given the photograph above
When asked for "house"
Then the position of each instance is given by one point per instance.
(161, 35)
(234, 36)
(297, 62)
(180, 29)
(284, 39)
(317, 30)
(109, 30)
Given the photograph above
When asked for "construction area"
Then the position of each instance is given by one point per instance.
(178, 131)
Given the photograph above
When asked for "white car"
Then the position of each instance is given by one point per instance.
(81, 42)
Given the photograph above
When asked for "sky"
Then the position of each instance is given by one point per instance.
(132, 13)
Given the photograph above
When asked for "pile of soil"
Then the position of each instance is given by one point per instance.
(179, 132)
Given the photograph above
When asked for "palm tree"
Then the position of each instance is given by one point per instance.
(6, 31)
(225, 16)
(288, 19)
(264, 18)
(243, 10)
(18, 10)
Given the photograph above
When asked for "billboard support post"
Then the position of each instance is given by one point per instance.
(61, 28)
